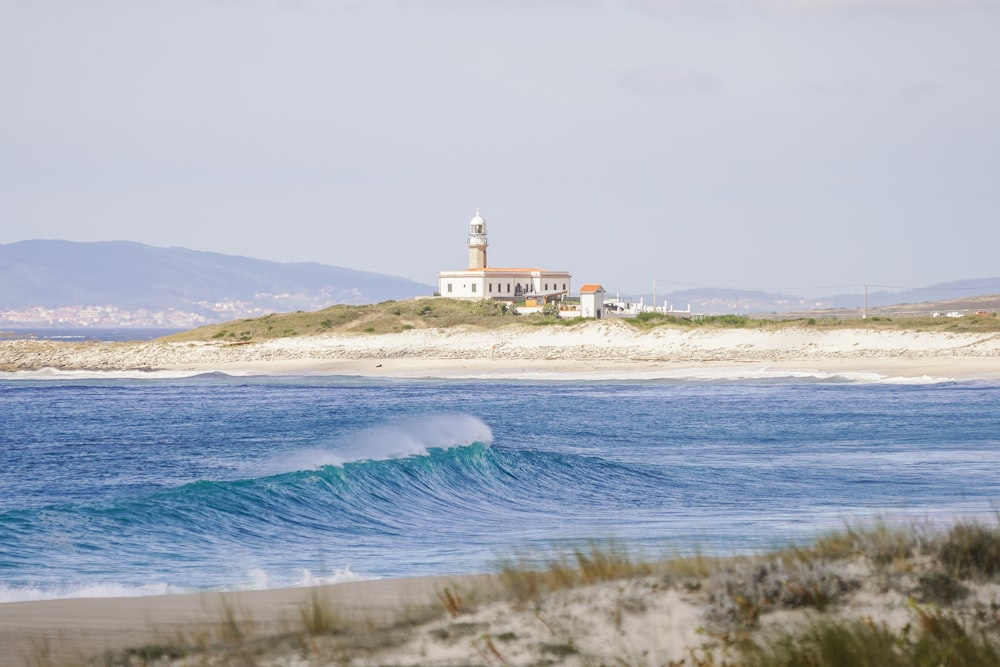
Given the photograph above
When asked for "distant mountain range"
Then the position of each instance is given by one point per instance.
(121, 283)
(125, 284)
(745, 302)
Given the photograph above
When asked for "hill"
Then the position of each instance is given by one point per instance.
(710, 300)
(442, 313)
(122, 280)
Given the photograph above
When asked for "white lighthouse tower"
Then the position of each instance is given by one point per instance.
(481, 281)
(477, 242)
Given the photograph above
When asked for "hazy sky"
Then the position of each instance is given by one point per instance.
(809, 146)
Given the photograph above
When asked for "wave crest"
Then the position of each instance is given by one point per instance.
(413, 436)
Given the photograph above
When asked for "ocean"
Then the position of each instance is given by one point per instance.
(80, 334)
(145, 483)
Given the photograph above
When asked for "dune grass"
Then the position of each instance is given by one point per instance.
(785, 608)
(937, 639)
(398, 316)
(525, 583)
(381, 318)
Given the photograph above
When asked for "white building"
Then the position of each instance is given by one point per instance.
(592, 301)
(481, 281)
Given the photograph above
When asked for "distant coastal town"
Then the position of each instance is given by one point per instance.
(171, 298)
(108, 316)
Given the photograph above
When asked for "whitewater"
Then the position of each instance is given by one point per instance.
(143, 483)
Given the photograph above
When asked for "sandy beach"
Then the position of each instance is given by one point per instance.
(602, 610)
(76, 629)
(607, 349)
(47, 632)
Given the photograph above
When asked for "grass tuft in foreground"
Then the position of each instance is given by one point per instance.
(863, 597)
(971, 549)
(525, 583)
(937, 639)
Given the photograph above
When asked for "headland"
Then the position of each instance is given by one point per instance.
(592, 349)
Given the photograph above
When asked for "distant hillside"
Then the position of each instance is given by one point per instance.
(132, 277)
(880, 296)
(715, 300)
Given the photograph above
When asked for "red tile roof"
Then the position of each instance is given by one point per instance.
(590, 288)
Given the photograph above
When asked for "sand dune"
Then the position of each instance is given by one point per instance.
(662, 613)
(610, 348)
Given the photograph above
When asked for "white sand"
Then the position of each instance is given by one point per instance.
(587, 350)
(73, 629)
(640, 620)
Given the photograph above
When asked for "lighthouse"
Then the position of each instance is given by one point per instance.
(481, 281)
(477, 242)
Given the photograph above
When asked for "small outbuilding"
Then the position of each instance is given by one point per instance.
(592, 301)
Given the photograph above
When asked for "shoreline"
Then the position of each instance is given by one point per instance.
(599, 350)
(78, 628)
(595, 612)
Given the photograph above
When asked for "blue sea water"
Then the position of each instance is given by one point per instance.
(78, 334)
(143, 483)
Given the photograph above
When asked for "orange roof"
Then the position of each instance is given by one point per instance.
(590, 288)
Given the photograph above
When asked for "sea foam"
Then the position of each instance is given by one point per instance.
(412, 436)
(95, 590)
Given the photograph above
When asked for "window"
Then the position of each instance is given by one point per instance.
(491, 287)
(449, 288)
(473, 289)
(508, 288)
(564, 287)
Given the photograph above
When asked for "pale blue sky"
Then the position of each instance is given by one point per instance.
(806, 146)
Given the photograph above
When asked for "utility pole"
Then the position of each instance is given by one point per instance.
(654, 295)
(866, 302)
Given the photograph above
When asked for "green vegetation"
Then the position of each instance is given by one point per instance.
(381, 318)
(786, 608)
(526, 585)
(971, 550)
(938, 639)
(396, 316)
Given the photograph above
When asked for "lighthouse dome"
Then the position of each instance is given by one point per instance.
(478, 222)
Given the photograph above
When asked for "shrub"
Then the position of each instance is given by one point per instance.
(733, 321)
(941, 588)
(551, 309)
(491, 308)
(971, 549)
(829, 644)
